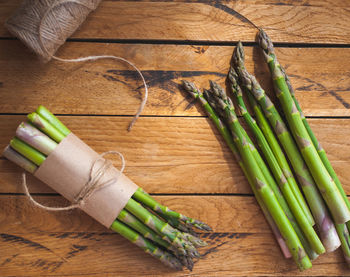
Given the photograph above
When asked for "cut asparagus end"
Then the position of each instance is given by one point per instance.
(53, 120)
(18, 159)
(35, 138)
(44, 126)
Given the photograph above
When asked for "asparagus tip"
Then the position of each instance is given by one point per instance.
(191, 88)
(238, 55)
(265, 41)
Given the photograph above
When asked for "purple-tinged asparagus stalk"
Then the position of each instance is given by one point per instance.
(35, 138)
(18, 159)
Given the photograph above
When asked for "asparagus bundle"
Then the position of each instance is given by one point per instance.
(165, 234)
(242, 148)
(273, 184)
(323, 220)
(324, 181)
(315, 156)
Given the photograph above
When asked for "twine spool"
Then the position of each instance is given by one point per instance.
(44, 25)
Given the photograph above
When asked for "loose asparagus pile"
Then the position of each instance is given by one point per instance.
(304, 227)
(165, 234)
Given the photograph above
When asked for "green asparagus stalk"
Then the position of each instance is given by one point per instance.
(319, 211)
(18, 159)
(344, 236)
(53, 120)
(277, 171)
(44, 126)
(165, 257)
(130, 220)
(277, 151)
(27, 151)
(325, 183)
(167, 232)
(141, 196)
(342, 229)
(35, 138)
(197, 94)
(220, 100)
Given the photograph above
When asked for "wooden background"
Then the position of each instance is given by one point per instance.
(173, 151)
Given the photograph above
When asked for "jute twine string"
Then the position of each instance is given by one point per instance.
(44, 25)
(42, 35)
(92, 185)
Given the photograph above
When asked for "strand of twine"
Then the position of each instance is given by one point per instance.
(89, 58)
(92, 185)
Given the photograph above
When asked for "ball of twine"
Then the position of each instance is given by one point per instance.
(44, 25)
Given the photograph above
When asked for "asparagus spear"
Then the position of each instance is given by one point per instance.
(319, 211)
(325, 183)
(224, 105)
(146, 245)
(277, 171)
(197, 94)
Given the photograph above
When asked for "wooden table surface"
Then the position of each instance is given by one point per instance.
(173, 151)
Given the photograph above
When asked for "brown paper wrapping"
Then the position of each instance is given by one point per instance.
(67, 170)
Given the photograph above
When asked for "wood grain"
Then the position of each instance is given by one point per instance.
(319, 75)
(172, 154)
(35, 242)
(211, 20)
(173, 151)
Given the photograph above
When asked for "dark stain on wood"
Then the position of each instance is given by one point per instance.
(23, 241)
(217, 240)
(156, 78)
(200, 49)
(75, 250)
(76, 235)
(315, 85)
(8, 260)
(46, 265)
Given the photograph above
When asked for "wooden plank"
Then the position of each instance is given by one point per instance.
(212, 20)
(319, 75)
(172, 154)
(35, 242)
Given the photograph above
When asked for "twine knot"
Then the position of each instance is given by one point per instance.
(97, 171)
